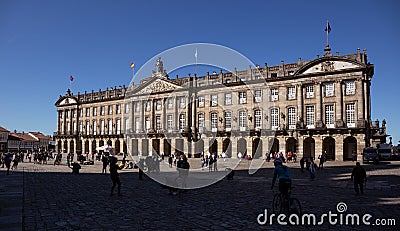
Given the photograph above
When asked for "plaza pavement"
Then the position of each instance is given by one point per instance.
(47, 197)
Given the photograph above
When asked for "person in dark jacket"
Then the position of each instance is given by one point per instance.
(359, 176)
(114, 175)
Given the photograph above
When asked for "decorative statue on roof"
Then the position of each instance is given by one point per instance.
(160, 66)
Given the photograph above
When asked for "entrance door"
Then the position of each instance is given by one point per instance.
(328, 146)
(309, 147)
(349, 147)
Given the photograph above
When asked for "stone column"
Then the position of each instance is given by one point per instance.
(318, 145)
(234, 146)
(300, 101)
(365, 100)
(140, 144)
(142, 109)
(300, 147)
(360, 95)
(318, 100)
(282, 144)
(339, 104)
(249, 148)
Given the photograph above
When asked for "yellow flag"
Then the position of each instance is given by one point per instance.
(132, 65)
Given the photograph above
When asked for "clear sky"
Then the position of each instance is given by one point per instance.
(42, 43)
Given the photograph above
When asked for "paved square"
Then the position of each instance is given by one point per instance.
(55, 199)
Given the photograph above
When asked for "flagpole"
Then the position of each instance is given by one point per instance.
(327, 33)
(195, 71)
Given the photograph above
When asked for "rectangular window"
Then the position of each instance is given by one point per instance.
(137, 106)
(73, 113)
(350, 115)
(329, 116)
(257, 96)
(257, 119)
(182, 121)
(87, 128)
(68, 114)
(102, 110)
(127, 125)
(169, 122)
(200, 120)
(291, 93)
(169, 103)
(94, 111)
(310, 117)
(182, 102)
(148, 105)
(214, 100)
(214, 122)
(158, 105)
(292, 117)
(274, 94)
(118, 108)
(110, 109)
(274, 118)
(94, 127)
(137, 124)
(350, 87)
(80, 126)
(102, 126)
(118, 125)
(242, 120)
(242, 97)
(87, 112)
(81, 112)
(329, 89)
(228, 98)
(158, 123)
(126, 108)
(74, 126)
(309, 91)
(110, 127)
(147, 123)
(200, 101)
(228, 121)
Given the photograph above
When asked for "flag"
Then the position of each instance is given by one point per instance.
(132, 65)
(195, 54)
(71, 78)
(328, 27)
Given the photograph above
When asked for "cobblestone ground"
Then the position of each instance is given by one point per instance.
(54, 199)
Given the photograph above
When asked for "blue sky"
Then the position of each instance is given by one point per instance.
(42, 43)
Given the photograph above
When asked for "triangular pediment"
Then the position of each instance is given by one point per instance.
(328, 65)
(157, 86)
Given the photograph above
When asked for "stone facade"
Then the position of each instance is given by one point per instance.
(308, 107)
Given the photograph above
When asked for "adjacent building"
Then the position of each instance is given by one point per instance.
(308, 107)
(21, 141)
(3, 139)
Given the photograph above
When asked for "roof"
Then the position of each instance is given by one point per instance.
(3, 129)
(13, 136)
(39, 135)
(24, 136)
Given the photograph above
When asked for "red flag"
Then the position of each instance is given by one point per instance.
(71, 78)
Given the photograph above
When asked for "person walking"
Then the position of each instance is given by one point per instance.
(7, 161)
(170, 160)
(114, 175)
(359, 176)
(322, 160)
(183, 170)
(104, 159)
